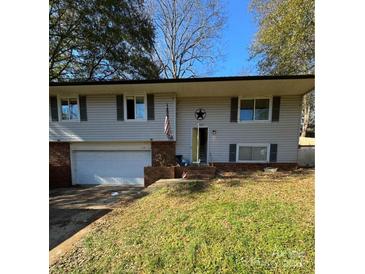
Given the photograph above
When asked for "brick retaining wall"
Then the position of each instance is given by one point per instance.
(153, 174)
(59, 165)
(195, 172)
(163, 153)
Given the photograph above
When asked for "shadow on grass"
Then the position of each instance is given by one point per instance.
(183, 189)
(65, 222)
(71, 209)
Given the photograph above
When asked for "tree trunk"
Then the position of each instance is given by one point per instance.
(306, 111)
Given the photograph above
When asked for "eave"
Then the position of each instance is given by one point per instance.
(196, 87)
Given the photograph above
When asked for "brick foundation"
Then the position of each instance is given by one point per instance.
(237, 167)
(163, 153)
(59, 165)
(195, 172)
(153, 174)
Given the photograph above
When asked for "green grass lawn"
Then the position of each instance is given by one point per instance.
(257, 223)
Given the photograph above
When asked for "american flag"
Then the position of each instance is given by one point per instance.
(167, 128)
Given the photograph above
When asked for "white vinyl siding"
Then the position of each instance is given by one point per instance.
(102, 123)
(284, 133)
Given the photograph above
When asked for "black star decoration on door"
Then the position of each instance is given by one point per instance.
(200, 114)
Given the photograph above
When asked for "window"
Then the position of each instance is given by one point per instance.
(139, 107)
(130, 108)
(247, 110)
(135, 107)
(254, 109)
(69, 109)
(252, 152)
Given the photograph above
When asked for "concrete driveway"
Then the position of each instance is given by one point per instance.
(72, 209)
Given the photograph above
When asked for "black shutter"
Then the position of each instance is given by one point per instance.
(83, 108)
(232, 152)
(150, 107)
(54, 108)
(273, 152)
(234, 109)
(120, 108)
(275, 109)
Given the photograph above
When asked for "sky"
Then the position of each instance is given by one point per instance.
(236, 39)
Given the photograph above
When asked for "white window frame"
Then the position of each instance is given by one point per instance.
(254, 110)
(253, 145)
(59, 106)
(144, 95)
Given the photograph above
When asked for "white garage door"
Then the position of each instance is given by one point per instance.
(110, 167)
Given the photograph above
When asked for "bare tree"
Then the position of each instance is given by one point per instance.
(187, 33)
(308, 114)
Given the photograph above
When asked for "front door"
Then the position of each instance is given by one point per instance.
(200, 145)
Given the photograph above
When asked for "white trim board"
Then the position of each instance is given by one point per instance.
(110, 146)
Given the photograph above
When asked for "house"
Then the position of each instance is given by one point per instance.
(108, 131)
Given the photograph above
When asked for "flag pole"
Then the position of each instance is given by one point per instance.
(168, 117)
(197, 147)
(167, 124)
